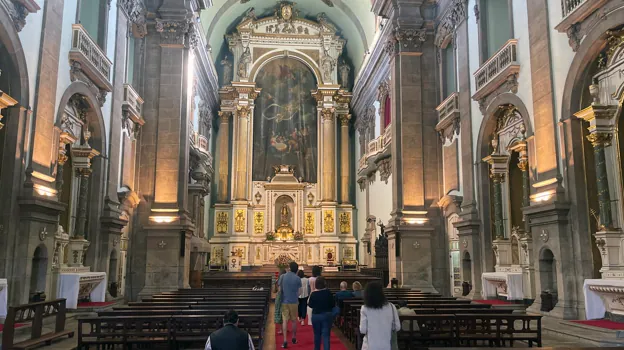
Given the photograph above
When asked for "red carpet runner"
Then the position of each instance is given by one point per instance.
(493, 302)
(603, 324)
(96, 304)
(17, 325)
(305, 338)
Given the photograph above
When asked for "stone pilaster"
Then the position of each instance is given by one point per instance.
(223, 143)
(345, 158)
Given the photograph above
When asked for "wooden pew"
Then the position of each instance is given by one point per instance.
(35, 313)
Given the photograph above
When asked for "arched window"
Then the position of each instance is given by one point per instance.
(387, 112)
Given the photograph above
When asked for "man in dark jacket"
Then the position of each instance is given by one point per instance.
(229, 337)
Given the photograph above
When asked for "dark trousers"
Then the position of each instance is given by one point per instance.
(303, 307)
(322, 323)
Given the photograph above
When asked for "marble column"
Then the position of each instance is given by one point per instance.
(84, 174)
(499, 229)
(329, 151)
(223, 142)
(599, 141)
(523, 164)
(345, 159)
(242, 139)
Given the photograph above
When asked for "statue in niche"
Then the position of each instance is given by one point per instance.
(227, 71)
(243, 64)
(328, 64)
(344, 70)
(285, 230)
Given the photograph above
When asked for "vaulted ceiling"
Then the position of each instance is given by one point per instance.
(353, 18)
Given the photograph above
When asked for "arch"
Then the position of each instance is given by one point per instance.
(13, 45)
(113, 286)
(278, 53)
(95, 117)
(548, 276)
(466, 273)
(39, 270)
(588, 50)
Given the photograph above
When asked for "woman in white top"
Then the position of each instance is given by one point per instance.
(378, 319)
(304, 292)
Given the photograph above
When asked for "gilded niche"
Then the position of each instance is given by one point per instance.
(328, 221)
(309, 224)
(259, 222)
(222, 222)
(345, 222)
(239, 220)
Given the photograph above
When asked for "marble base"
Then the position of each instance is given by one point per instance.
(73, 286)
(602, 296)
(507, 284)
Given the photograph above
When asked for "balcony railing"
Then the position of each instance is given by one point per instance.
(376, 147)
(568, 6)
(495, 71)
(448, 107)
(132, 102)
(93, 61)
(387, 136)
(576, 11)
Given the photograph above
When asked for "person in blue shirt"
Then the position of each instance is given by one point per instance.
(343, 293)
(289, 285)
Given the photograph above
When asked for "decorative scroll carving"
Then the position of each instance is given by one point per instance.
(258, 222)
(385, 169)
(328, 221)
(410, 39)
(453, 17)
(222, 222)
(309, 223)
(345, 222)
(19, 10)
(172, 32)
(239, 220)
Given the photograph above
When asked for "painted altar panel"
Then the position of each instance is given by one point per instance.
(285, 123)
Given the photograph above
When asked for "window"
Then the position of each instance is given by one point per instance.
(387, 112)
(449, 76)
(496, 26)
(93, 15)
(130, 60)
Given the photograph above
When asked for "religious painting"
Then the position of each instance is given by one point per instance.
(285, 120)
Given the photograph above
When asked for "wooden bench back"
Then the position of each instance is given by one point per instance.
(35, 313)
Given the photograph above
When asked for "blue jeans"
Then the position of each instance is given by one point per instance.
(322, 324)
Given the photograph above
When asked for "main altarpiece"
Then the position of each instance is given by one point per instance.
(287, 190)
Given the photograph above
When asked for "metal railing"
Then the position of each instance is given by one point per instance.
(83, 43)
(387, 135)
(568, 6)
(503, 59)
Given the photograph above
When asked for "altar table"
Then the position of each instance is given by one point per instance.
(595, 306)
(509, 282)
(3, 297)
(79, 285)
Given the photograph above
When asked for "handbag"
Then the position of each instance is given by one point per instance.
(394, 340)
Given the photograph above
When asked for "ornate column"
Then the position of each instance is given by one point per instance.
(223, 142)
(345, 159)
(498, 171)
(329, 154)
(242, 152)
(83, 174)
(65, 139)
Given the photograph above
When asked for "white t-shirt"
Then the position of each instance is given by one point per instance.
(303, 291)
(377, 326)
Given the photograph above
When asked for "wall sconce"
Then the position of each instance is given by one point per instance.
(163, 219)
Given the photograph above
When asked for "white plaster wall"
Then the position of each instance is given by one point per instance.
(381, 199)
(521, 32)
(561, 52)
(30, 37)
(360, 201)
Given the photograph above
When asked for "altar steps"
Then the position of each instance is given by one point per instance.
(587, 334)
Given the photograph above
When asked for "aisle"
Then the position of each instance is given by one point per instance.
(305, 339)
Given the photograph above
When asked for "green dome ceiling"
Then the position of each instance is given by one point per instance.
(353, 19)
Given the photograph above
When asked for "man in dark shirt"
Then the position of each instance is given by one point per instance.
(229, 337)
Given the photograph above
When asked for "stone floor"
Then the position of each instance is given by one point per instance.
(549, 339)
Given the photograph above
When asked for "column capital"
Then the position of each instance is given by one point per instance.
(327, 114)
(497, 177)
(224, 116)
(173, 32)
(5, 101)
(498, 166)
(601, 118)
(246, 91)
(344, 119)
(243, 111)
(84, 172)
(598, 139)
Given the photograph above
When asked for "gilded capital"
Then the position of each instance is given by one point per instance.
(62, 158)
(497, 177)
(84, 172)
(523, 164)
(344, 119)
(243, 111)
(224, 116)
(327, 114)
(600, 139)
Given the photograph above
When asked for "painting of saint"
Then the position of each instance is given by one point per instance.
(285, 120)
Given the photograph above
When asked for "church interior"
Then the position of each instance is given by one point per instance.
(161, 161)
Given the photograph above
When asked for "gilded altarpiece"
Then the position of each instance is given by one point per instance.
(281, 88)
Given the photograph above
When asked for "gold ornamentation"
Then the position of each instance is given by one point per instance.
(345, 222)
(240, 252)
(328, 221)
(600, 139)
(243, 111)
(224, 116)
(347, 253)
(239, 220)
(258, 222)
(258, 253)
(309, 224)
(344, 119)
(497, 177)
(222, 222)
(327, 114)
(330, 254)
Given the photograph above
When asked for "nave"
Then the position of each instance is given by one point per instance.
(184, 319)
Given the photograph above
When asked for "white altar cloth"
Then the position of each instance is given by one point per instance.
(69, 287)
(513, 280)
(594, 306)
(4, 291)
